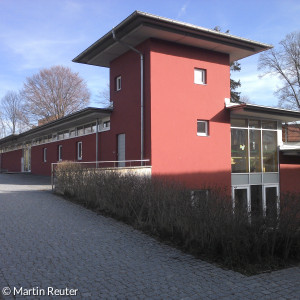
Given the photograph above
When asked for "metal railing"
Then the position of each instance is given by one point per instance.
(108, 165)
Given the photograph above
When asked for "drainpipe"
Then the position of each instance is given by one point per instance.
(142, 89)
(97, 139)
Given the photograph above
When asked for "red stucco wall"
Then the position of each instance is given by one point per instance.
(11, 161)
(289, 174)
(69, 152)
(126, 116)
(176, 105)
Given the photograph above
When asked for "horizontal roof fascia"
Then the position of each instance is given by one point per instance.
(140, 26)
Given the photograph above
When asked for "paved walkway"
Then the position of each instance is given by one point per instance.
(47, 241)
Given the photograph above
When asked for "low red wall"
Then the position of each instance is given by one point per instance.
(11, 161)
(69, 152)
(290, 178)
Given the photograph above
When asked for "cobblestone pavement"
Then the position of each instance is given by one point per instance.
(47, 241)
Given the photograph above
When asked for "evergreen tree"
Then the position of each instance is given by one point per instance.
(234, 67)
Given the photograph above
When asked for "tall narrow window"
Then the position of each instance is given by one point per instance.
(199, 76)
(202, 128)
(45, 154)
(118, 83)
(121, 149)
(255, 150)
(270, 151)
(60, 152)
(239, 151)
(79, 151)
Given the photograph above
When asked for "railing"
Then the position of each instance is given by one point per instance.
(108, 165)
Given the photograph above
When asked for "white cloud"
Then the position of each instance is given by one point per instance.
(34, 52)
(182, 10)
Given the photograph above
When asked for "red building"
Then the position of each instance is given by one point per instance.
(170, 88)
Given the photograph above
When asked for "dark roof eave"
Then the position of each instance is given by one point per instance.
(266, 110)
(67, 118)
(9, 138)
(140, 18)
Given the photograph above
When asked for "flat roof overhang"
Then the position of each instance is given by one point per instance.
(263, 112)
(140, 26)
(290, 152)
(79, 118)
(292, 149)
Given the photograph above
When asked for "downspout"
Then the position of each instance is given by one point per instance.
(97, 139)
(142, 89)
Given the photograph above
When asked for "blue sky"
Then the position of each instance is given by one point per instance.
(37, 34)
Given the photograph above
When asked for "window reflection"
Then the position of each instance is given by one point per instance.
(238, 122)
(270, 163)
(255, 151)
(261, 138)
(269, 124)
(239, 151)
(254, 123)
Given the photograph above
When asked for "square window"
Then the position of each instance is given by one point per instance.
(88, 129)
(118, 83)
(72, 132)
(202, 128)
(199, 76)
(106, 124)
(60, 135)
(80, 131)
(269, 124)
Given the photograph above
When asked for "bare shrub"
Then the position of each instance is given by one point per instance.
(205, 226)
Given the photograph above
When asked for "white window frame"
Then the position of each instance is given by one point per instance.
(206, 128)
(118, 83)
(200, 76)
(79, 147)
(241, 187)
(45, 154)
(59, 152)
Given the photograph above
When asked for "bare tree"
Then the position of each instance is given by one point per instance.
(104, 97)
(54, 93)
(13, 116)
(285, 63)
(2, 127)
(245, 99)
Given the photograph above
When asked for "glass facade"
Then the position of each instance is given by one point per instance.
(254, 167)
(253, 146)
